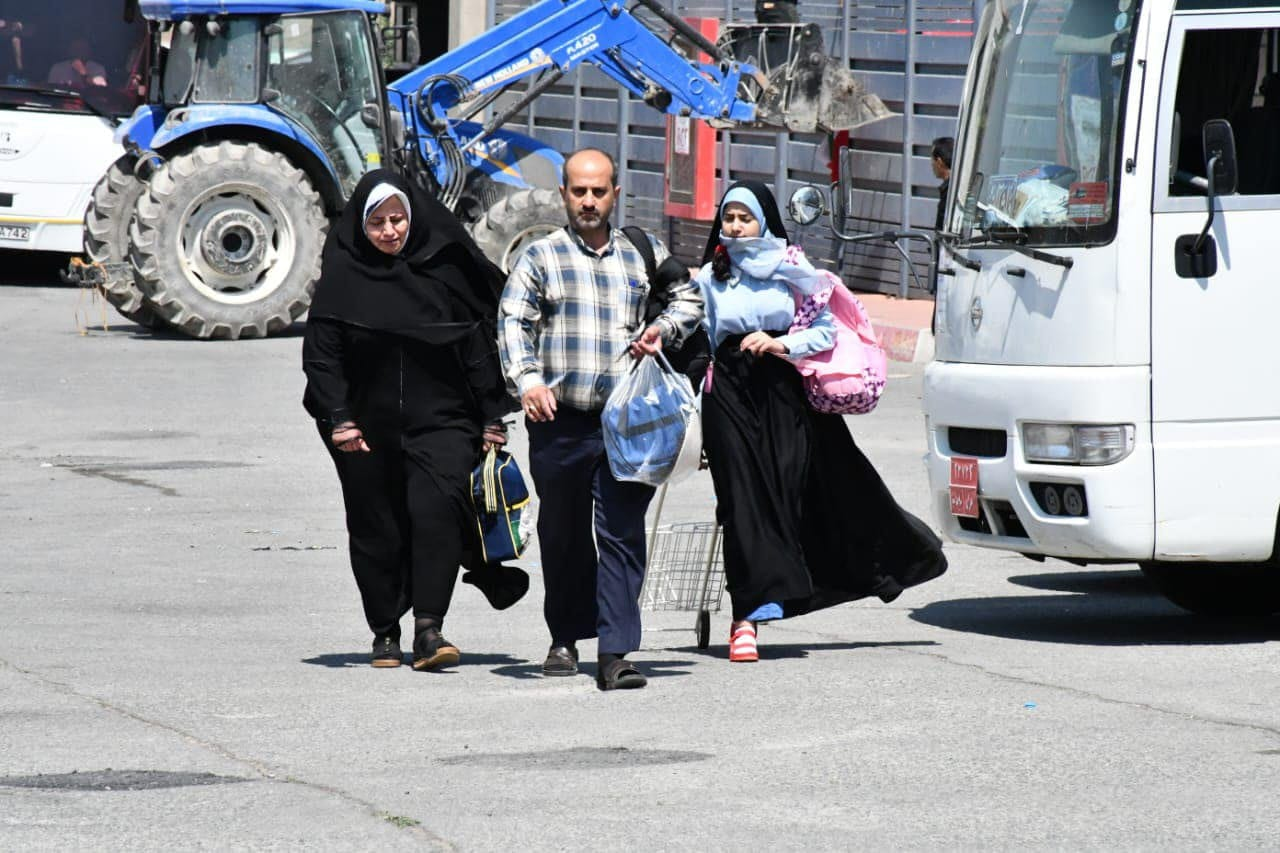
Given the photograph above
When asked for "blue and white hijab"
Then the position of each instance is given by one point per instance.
(768, 256)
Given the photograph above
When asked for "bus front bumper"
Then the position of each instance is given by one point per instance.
(1084, 512)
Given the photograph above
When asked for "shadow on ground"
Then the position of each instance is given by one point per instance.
(791, 651)
(1092, 582)
(118, 326)
(1102, 608)
(342, 660)
(651, 668)
(32, 269)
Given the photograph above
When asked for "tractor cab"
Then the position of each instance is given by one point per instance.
(315, 73)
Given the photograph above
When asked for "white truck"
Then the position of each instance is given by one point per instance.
(1104, 387)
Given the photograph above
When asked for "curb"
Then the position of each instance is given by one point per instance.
(905, 344)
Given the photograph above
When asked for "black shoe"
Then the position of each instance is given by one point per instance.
(561, 660)
(620, 674)
(432, 651)
(386, 652)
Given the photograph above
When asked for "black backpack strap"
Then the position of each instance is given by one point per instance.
(640, 240)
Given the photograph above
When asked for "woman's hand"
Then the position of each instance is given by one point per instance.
(495, 436)
(758, 343)
(348, 438)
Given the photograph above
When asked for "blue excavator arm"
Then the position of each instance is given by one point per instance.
(443, 101)
(553, 37)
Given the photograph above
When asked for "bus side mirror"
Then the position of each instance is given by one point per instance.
(806, 205)
(1220, 156)
(1196, 255)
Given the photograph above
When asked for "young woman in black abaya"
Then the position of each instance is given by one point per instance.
(808, 523)
(404, 382)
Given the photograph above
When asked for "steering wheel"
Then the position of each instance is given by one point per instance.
(337, 120)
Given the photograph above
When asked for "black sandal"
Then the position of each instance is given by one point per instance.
(620, 674)
(432, 651)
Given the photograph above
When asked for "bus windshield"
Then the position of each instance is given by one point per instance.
(72, 56)
(1040, 156)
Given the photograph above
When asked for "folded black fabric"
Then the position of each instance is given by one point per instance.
(502, 585)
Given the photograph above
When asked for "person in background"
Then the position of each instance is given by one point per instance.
(12, 70)
(79, 70)
(940, 159)
(404, 383)
(570, 313)
(808, 523)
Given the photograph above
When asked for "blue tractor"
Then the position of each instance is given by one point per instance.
(261, 115)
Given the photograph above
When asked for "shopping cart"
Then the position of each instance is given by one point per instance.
(685, 569)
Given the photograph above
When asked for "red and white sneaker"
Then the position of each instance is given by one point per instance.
(742, 644)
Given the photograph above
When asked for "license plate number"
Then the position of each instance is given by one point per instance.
(20, 233)
(964, 486)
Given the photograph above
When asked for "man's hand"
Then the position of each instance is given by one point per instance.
(649, 342)
(539, 404)
(758, 343)
(349, 439)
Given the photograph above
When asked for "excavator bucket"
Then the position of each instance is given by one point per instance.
(804, 90)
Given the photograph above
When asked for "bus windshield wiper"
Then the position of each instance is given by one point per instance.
(1015, 239)
(952, 242)
(55, 92)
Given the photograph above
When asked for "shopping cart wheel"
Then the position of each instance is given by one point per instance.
(704, 629)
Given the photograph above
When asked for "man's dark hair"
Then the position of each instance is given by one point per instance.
(942, 148)
(613, 165)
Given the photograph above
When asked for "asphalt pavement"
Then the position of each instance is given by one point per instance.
(183, 662)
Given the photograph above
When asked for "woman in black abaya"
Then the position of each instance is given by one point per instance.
(808, 523)
(404, 382)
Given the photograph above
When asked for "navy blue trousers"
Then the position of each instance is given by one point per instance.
(592, 583)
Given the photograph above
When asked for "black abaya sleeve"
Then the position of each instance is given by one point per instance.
(484, 374)
(326, 396)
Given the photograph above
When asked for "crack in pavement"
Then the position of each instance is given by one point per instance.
(264, 771)
(1046, 685)
(123, 479)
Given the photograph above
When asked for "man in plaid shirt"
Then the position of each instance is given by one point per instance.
(569, 317)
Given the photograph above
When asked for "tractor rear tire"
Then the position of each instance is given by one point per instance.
(107, 242)
(226, 241)
(515, 221)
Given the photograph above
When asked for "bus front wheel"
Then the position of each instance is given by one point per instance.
(1219, 590)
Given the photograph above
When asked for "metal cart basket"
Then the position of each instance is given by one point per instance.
(685, 570)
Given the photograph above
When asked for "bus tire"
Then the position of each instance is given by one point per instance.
(226, 241)
(107, 242)
(1231, 591)
(515, 221)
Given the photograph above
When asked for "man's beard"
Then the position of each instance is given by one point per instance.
(587, 222)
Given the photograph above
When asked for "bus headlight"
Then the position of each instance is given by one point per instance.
(1077, 444)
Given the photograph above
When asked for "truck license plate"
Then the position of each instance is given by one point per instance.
(964, 486)
(19, 233)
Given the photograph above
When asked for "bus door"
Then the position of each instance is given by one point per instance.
(1215, 405)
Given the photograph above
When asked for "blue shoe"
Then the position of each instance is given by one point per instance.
(766, 612)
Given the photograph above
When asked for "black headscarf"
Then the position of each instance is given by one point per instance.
(768, 205)
(436, 289)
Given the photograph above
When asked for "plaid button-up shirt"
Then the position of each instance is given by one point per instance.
(568, 314)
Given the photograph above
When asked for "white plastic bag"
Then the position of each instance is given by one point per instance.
(690, 457)
(646, 422)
